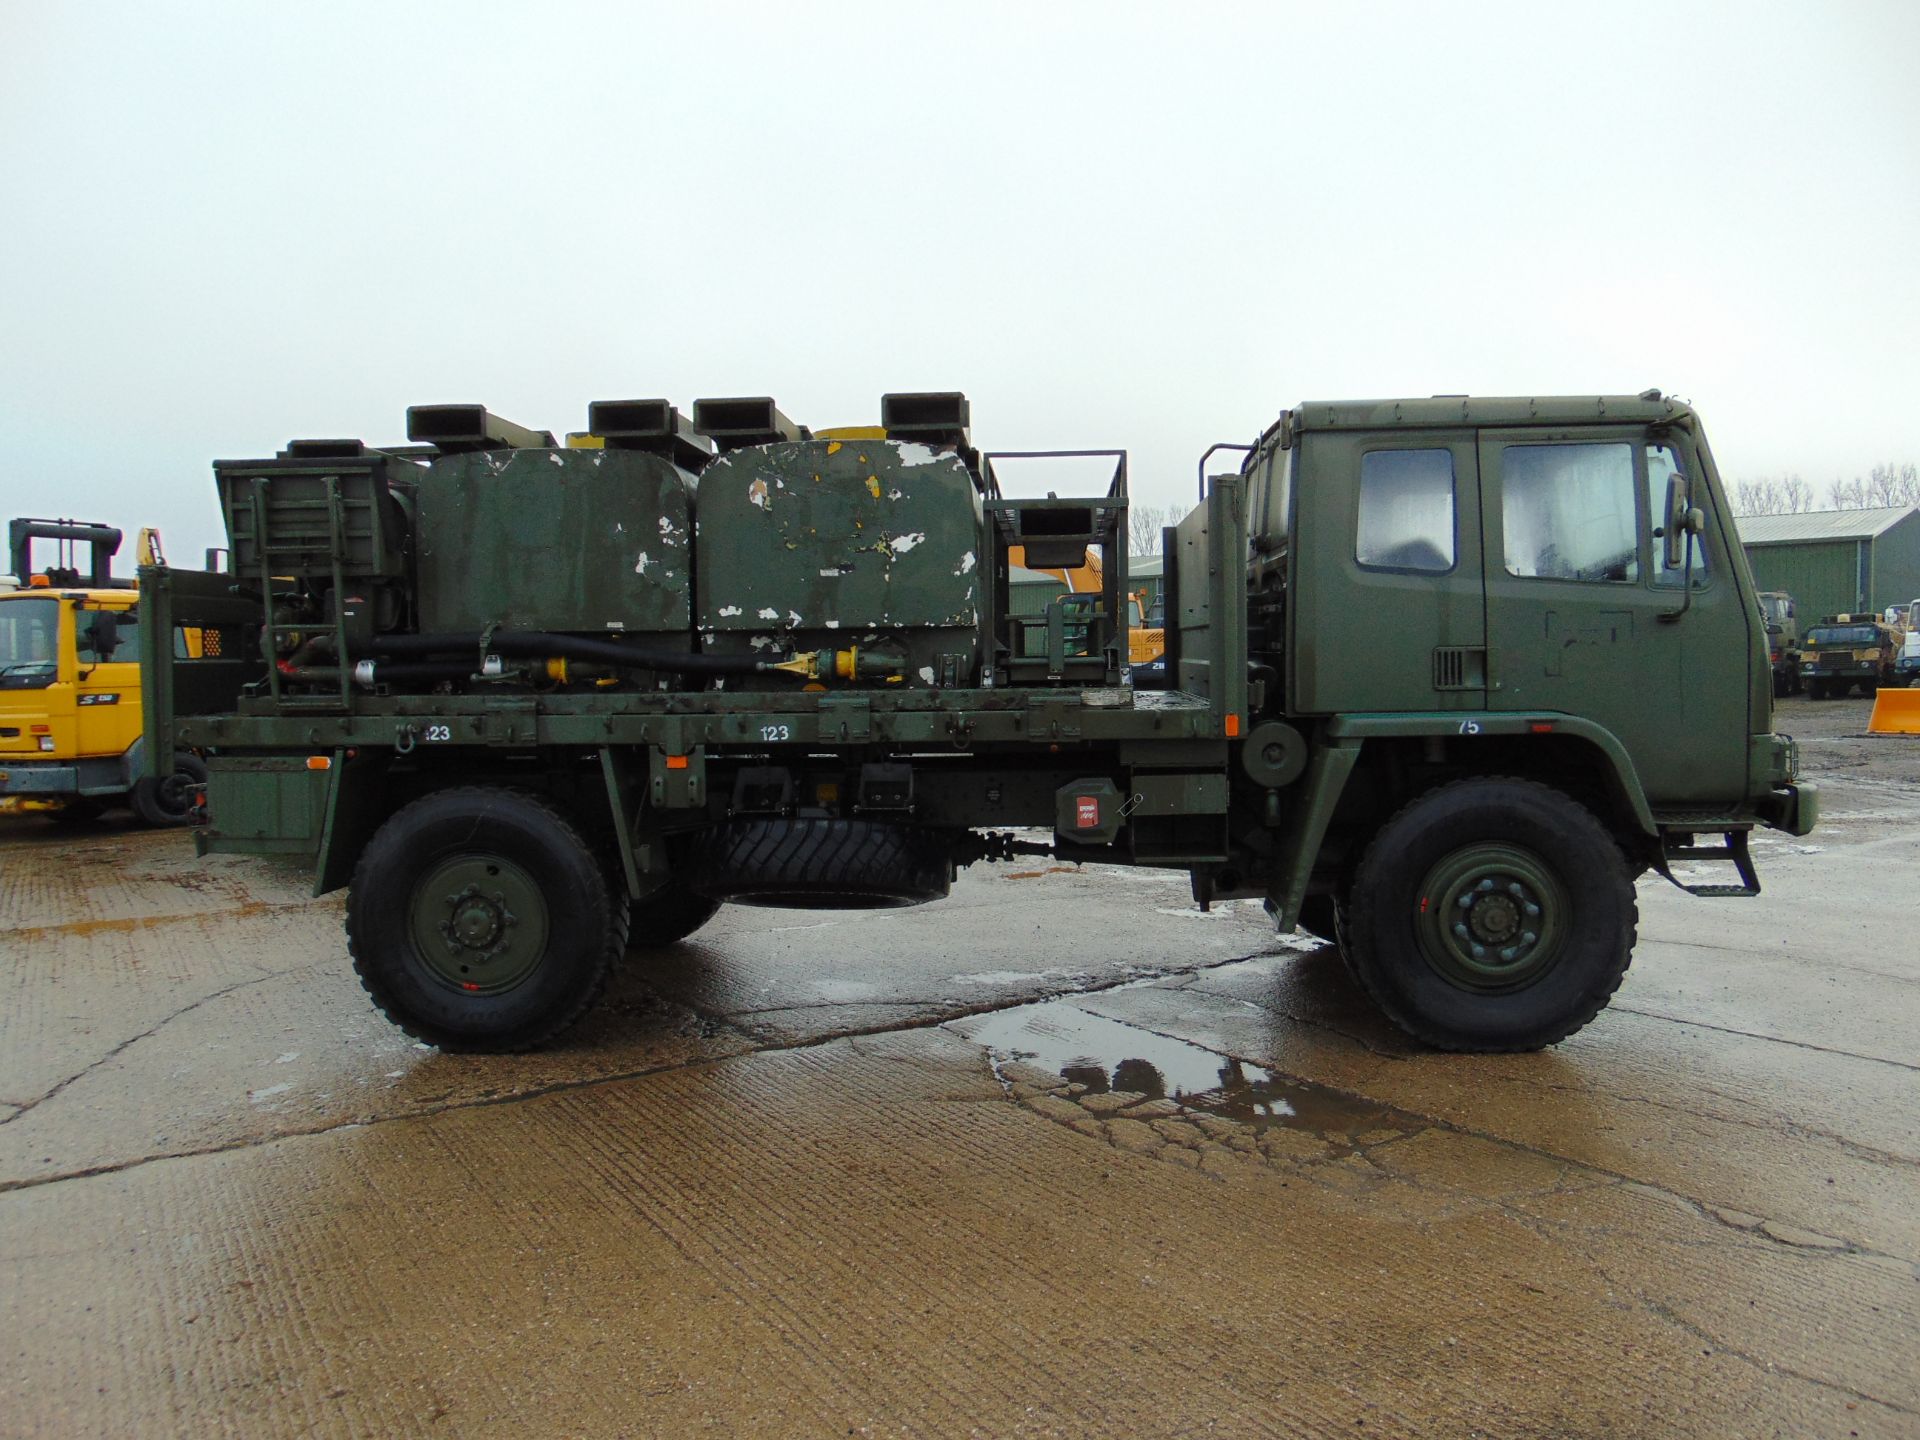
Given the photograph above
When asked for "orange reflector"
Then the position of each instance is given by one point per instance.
(319, 762)
(1233, 726)
(38, 729)
(1541, 727)
(39, 582)
(678, 762)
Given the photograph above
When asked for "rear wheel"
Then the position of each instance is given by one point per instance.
(169, 800)
(1491, 915)
(479, 919)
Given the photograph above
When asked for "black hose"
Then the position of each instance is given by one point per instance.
(538, 645)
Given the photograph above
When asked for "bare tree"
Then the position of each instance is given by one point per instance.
(1143, 528)
(1769, 495)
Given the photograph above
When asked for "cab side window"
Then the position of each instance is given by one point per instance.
(1407, 511)
(1568, 511)
(1663, 462)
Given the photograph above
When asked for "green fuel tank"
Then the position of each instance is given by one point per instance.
(587, 541)
(822, 543)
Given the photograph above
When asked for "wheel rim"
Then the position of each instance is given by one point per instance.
(1492, 918)
(479, 923)
(174, 794)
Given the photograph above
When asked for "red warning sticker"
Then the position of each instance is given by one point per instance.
(1088, 817)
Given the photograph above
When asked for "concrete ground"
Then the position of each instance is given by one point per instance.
(1058, 1156)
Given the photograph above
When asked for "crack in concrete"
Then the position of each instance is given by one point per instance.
(1667, 1315)
(147, 1034)
(1770, 1039)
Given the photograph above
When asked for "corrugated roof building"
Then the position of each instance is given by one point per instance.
(1835, 561)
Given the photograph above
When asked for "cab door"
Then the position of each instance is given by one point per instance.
(106, 685)
(1389, 612)
(1583, 617)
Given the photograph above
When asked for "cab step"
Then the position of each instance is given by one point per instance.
(1680, 845)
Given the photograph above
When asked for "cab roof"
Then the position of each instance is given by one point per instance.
(1451, 411)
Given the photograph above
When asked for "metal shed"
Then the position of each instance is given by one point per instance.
(1834, 561)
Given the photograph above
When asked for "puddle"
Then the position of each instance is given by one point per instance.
(1108, 1056)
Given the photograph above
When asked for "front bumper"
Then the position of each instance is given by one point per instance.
(39, 777)
(34, 786)
(1793, 808)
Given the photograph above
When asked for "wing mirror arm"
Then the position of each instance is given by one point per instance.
(1684, 523)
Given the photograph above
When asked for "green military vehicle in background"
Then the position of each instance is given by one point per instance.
(1783, 641)
(1843, 651)
(534, 704)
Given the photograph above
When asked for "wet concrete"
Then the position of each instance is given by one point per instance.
(1057, 1156)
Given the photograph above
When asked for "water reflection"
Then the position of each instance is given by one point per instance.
(1107, 1056)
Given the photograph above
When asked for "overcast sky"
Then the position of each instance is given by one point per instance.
(1144, 226)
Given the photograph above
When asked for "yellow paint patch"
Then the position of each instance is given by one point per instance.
(833, 447)
(873, 485)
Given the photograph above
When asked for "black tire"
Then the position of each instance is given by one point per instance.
(820, 864)
(668, 915)
(170, 801)
(1550, 866)
(423, 875)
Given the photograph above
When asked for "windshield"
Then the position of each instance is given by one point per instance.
(29, 642)
(1774, 607)
(1843, 635)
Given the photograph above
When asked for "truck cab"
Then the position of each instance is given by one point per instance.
(71, 645)
(1573, 608)
(1906, 669)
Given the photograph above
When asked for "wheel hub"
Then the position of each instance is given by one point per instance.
(479, 923)
(1493, 917)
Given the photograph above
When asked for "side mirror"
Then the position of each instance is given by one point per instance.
(103, 634)
(1679, 520)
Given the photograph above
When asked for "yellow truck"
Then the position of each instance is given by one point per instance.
(70, 714)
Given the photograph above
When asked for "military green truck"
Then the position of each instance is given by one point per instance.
(536, 704)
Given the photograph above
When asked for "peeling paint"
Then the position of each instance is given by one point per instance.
(966, 565)
(903, 543)
(911, 455)
(757, 494)
(832, 624)
(729, 610)
(557, 458)
(767, 612)
(926, 674)
(793, 618)
(640, 565)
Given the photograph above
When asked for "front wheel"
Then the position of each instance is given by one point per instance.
(1491, 915)
(478, 919)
